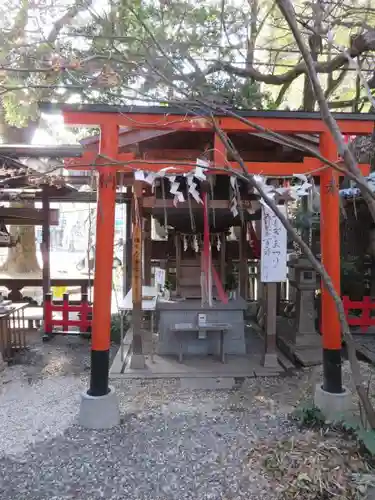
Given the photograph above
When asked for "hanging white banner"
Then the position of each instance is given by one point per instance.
(273, 264)
(160, 277)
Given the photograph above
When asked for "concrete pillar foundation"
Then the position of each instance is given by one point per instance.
(270, 360)
(333, 406)
(137, 362)
(99, 412)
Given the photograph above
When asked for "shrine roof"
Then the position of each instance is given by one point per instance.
(49, 107)
(35, 151)
(24, 174)
(22, 171)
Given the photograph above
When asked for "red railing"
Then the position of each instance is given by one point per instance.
(365, 306)
(84, 310)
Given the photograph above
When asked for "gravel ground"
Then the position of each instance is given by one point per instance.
(171, 444)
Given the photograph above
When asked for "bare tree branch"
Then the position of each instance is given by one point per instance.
(319, 268)
(364, 42)
(67, 18)
(347, 104)
(353, 175)
(287, 10)
(280, 96)
(333, 84)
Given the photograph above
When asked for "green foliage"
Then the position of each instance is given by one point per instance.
(19, 112)
(239, 93)
(303, 220)
(116, 328)
(168, 285)
(309, 416)
(367, 439)
(162, 50)
(350, 424)
(352, 278)
(351, 272)
(349, 268)
(151, 50)
(85, 132)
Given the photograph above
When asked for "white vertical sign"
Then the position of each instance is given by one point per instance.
(273, 264)
(160, 277)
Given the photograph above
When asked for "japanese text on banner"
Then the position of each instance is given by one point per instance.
(274, 247)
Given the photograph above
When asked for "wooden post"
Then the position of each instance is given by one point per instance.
(270, 355)
(273, 270)
(279, 288)
(223, 240)
(260, 286)
(178, 264)
(206, 267)
(330, 248)
(147, 249)
(137, 360)
(45, 247)
(220, 157)
(105, 229)
(243, 267)
(128, 250)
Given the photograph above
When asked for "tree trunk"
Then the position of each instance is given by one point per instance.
(21, 258)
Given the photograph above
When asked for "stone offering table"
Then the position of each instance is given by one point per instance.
(177, 312)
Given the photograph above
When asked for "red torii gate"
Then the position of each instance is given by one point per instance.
(109, 119)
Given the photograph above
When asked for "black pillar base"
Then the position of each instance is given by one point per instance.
(99, 373)
(332, 373)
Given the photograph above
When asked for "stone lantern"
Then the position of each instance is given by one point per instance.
(303, 278)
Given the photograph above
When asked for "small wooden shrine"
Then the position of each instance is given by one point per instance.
(164, 156)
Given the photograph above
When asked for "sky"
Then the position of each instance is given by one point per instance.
(55, 133)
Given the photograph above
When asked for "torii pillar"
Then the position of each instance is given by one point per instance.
(99, 408)
(330, 250)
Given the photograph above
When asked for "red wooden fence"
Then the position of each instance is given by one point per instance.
(83, 322)
(365, 319)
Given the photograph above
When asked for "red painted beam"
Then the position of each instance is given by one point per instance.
(314, 165)
(228, 124)
(180, 167)
(173, 154)
(91, 159)
(270, 169)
